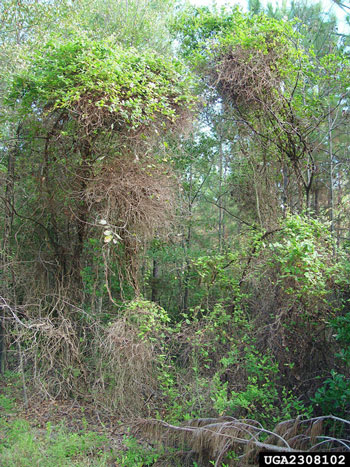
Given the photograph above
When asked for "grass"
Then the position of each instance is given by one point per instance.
(70, 438)
(137, 455)
(22, 445)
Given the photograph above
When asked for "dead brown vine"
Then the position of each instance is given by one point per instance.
(66, 353)
(211, 439)
(137, 198)
(247, 77)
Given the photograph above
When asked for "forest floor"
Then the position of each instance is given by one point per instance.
(62, 433)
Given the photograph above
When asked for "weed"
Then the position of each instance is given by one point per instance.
(24, 446)
(137, 455)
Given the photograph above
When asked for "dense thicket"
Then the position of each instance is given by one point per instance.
(175, 238)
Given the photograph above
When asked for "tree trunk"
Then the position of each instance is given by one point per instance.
(6, 247)
(155, 279)
(186, 247)
(82, 213)
(219, 200)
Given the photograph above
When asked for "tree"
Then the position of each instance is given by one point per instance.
(98, 108)
(275, 90)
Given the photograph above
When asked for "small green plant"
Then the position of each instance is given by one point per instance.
(6, 403)
(333, 397)
(136, 454)
(260, 394)
(341, 326)
(24, 446)
(149, 318)
(262, 398)
(302, 251)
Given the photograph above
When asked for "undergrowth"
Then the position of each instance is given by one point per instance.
(22, 445)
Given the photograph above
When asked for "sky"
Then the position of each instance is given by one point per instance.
(329, 6)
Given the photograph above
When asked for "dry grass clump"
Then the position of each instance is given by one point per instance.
(211, 439)
(126, 375)
(52, 347)
(69, 354)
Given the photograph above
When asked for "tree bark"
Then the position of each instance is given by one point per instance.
(6, 246)
(155, 279)
(186, 246)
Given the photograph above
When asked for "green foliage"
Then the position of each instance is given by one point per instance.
(247, 301)
(132, 88)
(333, 397)
(298, 277)
(149, 318)
(278, 47)
(209, 33)
(341, 326)
(206, 30)
(13, 385)
(195, 26)
(303, 253)
(136, 23)
(137, 455)
(262, 34)
(229, 374)
(91, 274)
(24, 22)
(213, 267)
(6, 403)
(262, 399)
(22, 446)
(94, 280)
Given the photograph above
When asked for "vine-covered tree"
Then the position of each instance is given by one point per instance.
(175, 244)
(99, 111)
